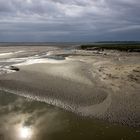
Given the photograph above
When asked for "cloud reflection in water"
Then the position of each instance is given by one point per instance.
(23, 119)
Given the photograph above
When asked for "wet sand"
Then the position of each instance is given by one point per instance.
(22, 118)
(104, 87)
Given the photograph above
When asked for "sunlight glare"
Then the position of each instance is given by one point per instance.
(25, 132)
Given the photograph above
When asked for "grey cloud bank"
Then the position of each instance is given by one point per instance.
(75, 20)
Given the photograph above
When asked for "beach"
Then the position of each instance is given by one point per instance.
(98, 85)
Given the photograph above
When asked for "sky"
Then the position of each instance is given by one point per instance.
(69, 20)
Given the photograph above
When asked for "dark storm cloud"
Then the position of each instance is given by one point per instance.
(63, 20)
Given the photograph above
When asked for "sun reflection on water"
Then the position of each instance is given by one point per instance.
(25, 132)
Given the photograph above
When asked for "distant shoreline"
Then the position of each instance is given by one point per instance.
(67, 43)
(128, 46)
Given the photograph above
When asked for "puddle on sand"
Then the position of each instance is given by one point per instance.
(25, 119)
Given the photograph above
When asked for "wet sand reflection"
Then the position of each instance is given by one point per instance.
(24, 119)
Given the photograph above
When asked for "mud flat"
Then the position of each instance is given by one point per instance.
(102, 86)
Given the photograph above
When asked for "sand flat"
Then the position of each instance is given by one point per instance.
(104, 87)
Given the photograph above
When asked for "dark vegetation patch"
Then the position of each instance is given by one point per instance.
(129, 47)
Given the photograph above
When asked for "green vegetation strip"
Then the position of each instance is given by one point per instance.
(120, 47)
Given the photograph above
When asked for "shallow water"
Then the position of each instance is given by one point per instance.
(25, 119)
(25, 58)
